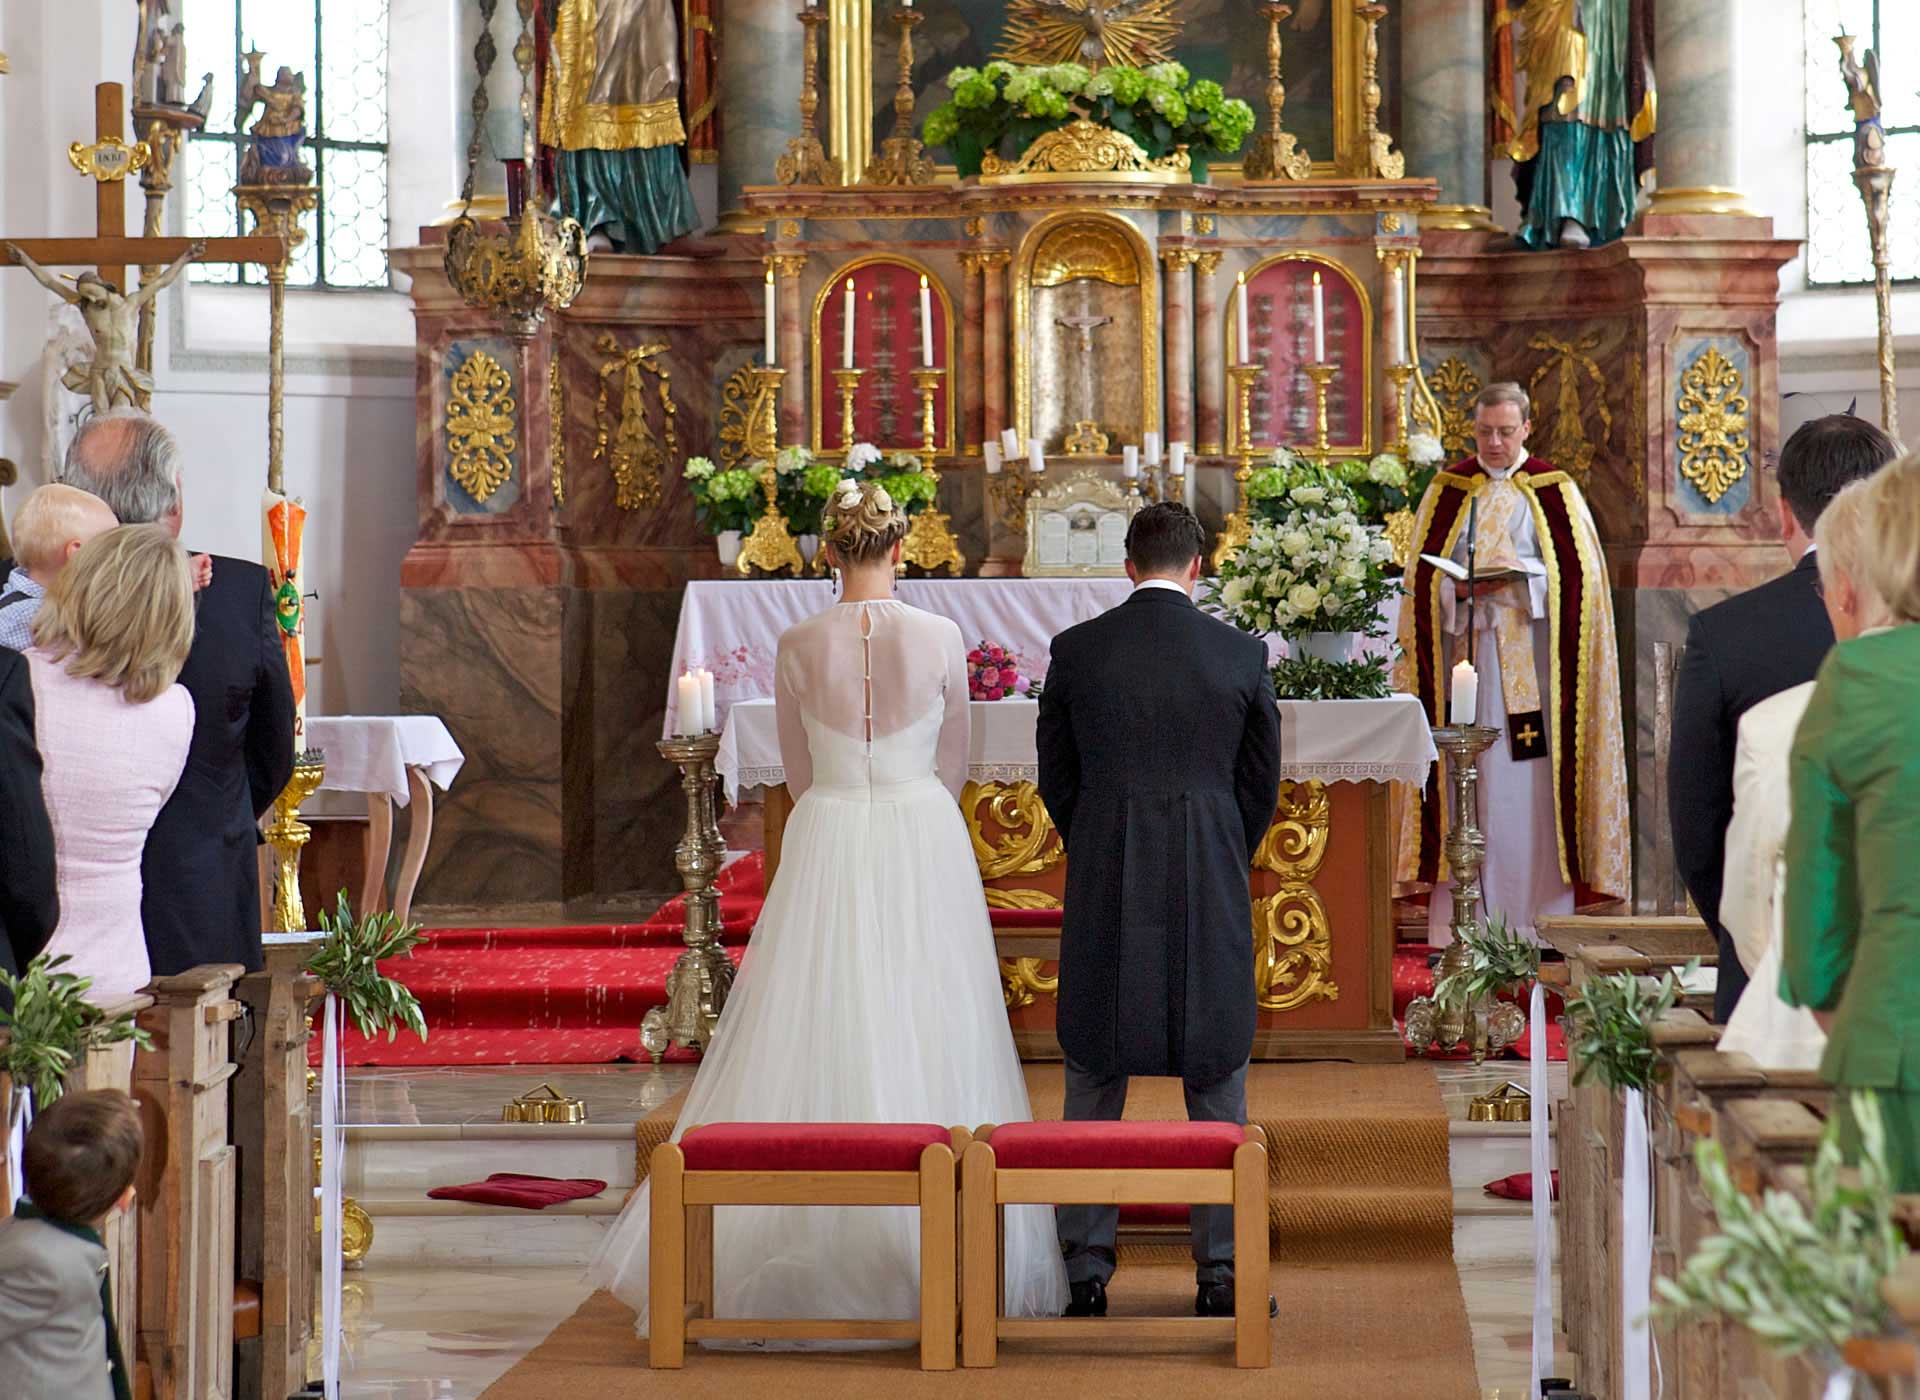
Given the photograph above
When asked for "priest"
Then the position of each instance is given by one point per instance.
(1553, 788)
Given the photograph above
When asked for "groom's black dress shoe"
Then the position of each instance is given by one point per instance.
(1216, 1300)
(1089, 1299)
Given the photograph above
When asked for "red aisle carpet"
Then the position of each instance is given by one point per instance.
(575, 996)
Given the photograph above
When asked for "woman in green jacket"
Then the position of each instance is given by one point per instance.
(1852, 910)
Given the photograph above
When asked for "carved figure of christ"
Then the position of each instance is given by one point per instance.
(1086, 323)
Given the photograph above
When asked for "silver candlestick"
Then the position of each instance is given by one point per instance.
(697, 986)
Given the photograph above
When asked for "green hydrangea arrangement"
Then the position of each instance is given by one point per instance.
(723, 500)
(1004, 108)
(803, 486)
(1380, 485)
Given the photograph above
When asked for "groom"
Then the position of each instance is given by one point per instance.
(1159, 749)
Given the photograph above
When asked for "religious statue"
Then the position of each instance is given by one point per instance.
(273, 156)
(1573, 106)
(611, 108)
(1863, 96)
(111, 379)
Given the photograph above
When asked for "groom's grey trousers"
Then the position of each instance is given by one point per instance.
(1086, 1232)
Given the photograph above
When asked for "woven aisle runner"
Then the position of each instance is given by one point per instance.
(1362, 1217)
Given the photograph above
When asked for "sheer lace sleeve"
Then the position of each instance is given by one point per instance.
(795, 756)
(956, 725)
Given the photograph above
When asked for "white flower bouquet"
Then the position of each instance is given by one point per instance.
(1315, 566)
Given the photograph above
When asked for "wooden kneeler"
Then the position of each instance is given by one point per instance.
(1112, 1164)
(800, 1164)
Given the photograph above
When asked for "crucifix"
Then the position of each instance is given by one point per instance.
(1085, 323)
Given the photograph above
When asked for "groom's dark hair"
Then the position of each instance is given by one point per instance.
(1164, 538)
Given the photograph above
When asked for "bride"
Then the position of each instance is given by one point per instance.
(870, 990)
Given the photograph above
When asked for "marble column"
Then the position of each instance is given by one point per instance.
(1209, 359)
(1696, 147)
(993, 333)
(1443, 106)
(792, 331)
(1177, 334)
(759, 93)
(968, 371)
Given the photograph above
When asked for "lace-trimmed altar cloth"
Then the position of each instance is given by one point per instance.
(1328, 741)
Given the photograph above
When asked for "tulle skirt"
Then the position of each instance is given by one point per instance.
(870, 993)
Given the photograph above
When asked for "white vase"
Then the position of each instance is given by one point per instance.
(1328, 646)
(729, 544)
(809, 546)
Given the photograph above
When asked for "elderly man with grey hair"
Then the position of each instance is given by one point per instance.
(201, 901)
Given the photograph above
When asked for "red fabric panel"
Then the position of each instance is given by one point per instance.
(1280, 322)
(1144, 1146)
(526, 1192)
(810, 1147)
(1024, 918)
(886, 344)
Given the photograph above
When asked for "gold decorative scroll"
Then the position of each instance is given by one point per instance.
(633, 451)
(1569, 445)
(1096, 33)
(480, 426)
(557, 428)
(1026, 844)
(1714, 440)
(1087, 151)
(1292, 938)
(736, 396)
(1455, 386)
(109, 159)
(1086, 439)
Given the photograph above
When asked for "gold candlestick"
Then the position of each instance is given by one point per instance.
(286, 834)
(806, 161)
(1399, 376)
(770, 548)
(847, 381)
(902, 159)
(1322, 376)
(1275, 155)
(930, 542)
(698, 985)
(1238, 526)
(1382, 161)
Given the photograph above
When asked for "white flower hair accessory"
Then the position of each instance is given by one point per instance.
(882, 499)
(847, 494)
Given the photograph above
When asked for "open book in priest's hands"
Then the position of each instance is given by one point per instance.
(1488, 571)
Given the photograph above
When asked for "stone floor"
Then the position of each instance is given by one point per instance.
(419, 1330)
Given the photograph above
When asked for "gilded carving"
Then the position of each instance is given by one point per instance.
(976, 226)
(1089, 151)
(1454, 386)
(1085, 248)
(633, 451)
(480, 427)
(1203, 223)
(1043, 32)
(1026, 844)
(1086, 439)
(1637, 425)
(557, 429)
(1714, 440)
(1207, 264)
(1293, 939)
(1390, 223)
(736, 397)
(790, 228)
(1569, 446)
(786, 264)
(1176, 258)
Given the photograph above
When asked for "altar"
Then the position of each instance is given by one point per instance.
(1321, 879)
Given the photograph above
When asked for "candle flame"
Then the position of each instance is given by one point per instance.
(849, 284)
(1243, 279)
(769, 277)
(1316, 279)
(923, 281)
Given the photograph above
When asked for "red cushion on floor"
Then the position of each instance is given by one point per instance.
(1148, 1146)
(1024, 918)
(527, 1192)
(810, 1147)
(1519, 1187)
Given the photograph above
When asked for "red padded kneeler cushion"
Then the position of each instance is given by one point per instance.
(1024, 918)
(1139, 1146)
(526, 1192)
(809, 1147)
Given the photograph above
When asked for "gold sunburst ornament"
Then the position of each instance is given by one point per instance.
(1124, 33)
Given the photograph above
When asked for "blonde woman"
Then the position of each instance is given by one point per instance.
(1776, 1035)
(113, 729)
(1851, 950)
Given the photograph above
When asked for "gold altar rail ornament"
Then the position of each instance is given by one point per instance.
(1292, 936)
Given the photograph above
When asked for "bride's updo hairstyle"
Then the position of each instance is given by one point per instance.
(862, 523)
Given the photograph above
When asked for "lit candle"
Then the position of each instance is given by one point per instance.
(1319, 322)
(1009, 443)
(991, 451)
(846, 329)
(1245, 347)
(1399, 316)
(686, 714)
(926, 316)
(1151, 442)
(1036, 460)
(1466, 694)
(709, 717)
(1130, 460)
(771, 359)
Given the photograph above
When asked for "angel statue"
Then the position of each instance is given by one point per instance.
(110, 379)
(1096, 33)
(273, 156)
(1863, 96)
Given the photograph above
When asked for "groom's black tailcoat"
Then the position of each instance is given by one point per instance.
(1159, 750)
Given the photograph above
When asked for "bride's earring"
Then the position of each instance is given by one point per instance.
(836, 582)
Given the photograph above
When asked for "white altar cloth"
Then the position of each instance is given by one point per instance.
(1328, 741)
(372, 753)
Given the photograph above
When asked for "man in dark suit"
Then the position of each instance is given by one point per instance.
(29, 902)
(201, 902)
(1739, 652)
(1159, 747)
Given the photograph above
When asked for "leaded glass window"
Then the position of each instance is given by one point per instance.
(1839, 252)
(341, 46)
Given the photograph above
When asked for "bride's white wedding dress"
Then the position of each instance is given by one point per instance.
(870, 990)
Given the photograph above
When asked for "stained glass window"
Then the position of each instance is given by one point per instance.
(1839, 252)
(341, 47)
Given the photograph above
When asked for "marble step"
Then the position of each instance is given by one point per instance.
(411, 1230)
(1481, 1152)
(407, 1160)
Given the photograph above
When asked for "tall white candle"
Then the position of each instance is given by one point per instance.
(709, 717)
(1399, 315)
(1036, 459)
(1150, 442)
(1319, 322)
(772, 360)
(1245, 345)
(686, 712)
(1177, 458)
(1466, 694)
(926, 324)
(991, 451)
(1009, 443)
(846, 328)
(1130, 460)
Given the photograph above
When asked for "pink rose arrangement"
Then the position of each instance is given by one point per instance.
(993, 673)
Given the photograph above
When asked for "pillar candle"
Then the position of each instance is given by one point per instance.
(1130, 460)
(846, 329)
(991, 451)
(926, 322)
(772, 358)
(1319, 322)
(1399, 316)
(1036, 460)
(1151, 443)
(1245, 346)
(1466, 694)
(686, 714)
(1010, 443)
(1177, 458)
(709, 717)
